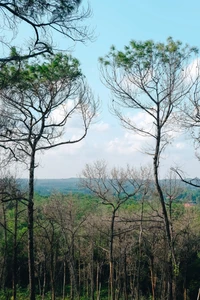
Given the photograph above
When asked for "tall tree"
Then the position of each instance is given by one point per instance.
(43, 20)
(38, 101)
(152, 78)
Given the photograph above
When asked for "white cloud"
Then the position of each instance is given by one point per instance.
(60, 112)
(143, 121)
(128, 143)
(131, 142)
(100, 127)
(192, 71)
(180, 145)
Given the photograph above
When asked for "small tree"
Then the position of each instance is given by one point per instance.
(38, 101)
(114, 188)
(152, 78)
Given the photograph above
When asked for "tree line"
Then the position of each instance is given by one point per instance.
(105, 246)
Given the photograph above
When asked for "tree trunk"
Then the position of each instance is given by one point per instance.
(98, 282)
(5, 249)
(31, 260)
(44, 279)
(164, 211)
(64, 278)
(14, 271)
(139, 254)
(111, 262)
(52, 273)
(153, 277)
(125, 276)
(73, 279)
(92, 272)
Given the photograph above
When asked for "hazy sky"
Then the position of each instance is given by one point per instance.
(116, 23)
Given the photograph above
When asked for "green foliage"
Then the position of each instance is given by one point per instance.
(53, 68)
(37, 9)
(142, 56)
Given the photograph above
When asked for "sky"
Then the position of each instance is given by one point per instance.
(116, 23)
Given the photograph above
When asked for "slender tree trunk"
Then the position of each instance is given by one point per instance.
(153, 277)
(64, 278)
(98, 281)
(52, 273)
(184, 285)
(73, 279)
(111, 261)
(5, 249)
(140, 252)
(92, 272)
(31, 260)
(80, 289)
(44, 279)
(125, 289)
(14, 279)
(39, 271)
(164, 211)
(172, 252)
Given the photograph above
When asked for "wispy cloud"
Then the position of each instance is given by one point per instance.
(100, 127)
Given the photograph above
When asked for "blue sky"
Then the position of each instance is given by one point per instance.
(116, 23)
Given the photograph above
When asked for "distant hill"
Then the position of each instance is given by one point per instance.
(45, 187)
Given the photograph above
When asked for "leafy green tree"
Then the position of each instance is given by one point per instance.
(152, 78)
(38, 100)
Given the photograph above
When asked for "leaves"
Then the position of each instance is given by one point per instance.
(53, 68)
(143, 55)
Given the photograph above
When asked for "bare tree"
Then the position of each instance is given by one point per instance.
(114, 188)
(43, 19)
(153, 79)
(39, 105)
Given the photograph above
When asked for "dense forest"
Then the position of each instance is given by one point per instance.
(74, 237)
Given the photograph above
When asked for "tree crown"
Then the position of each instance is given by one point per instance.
(53, 68)
(145, 54)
